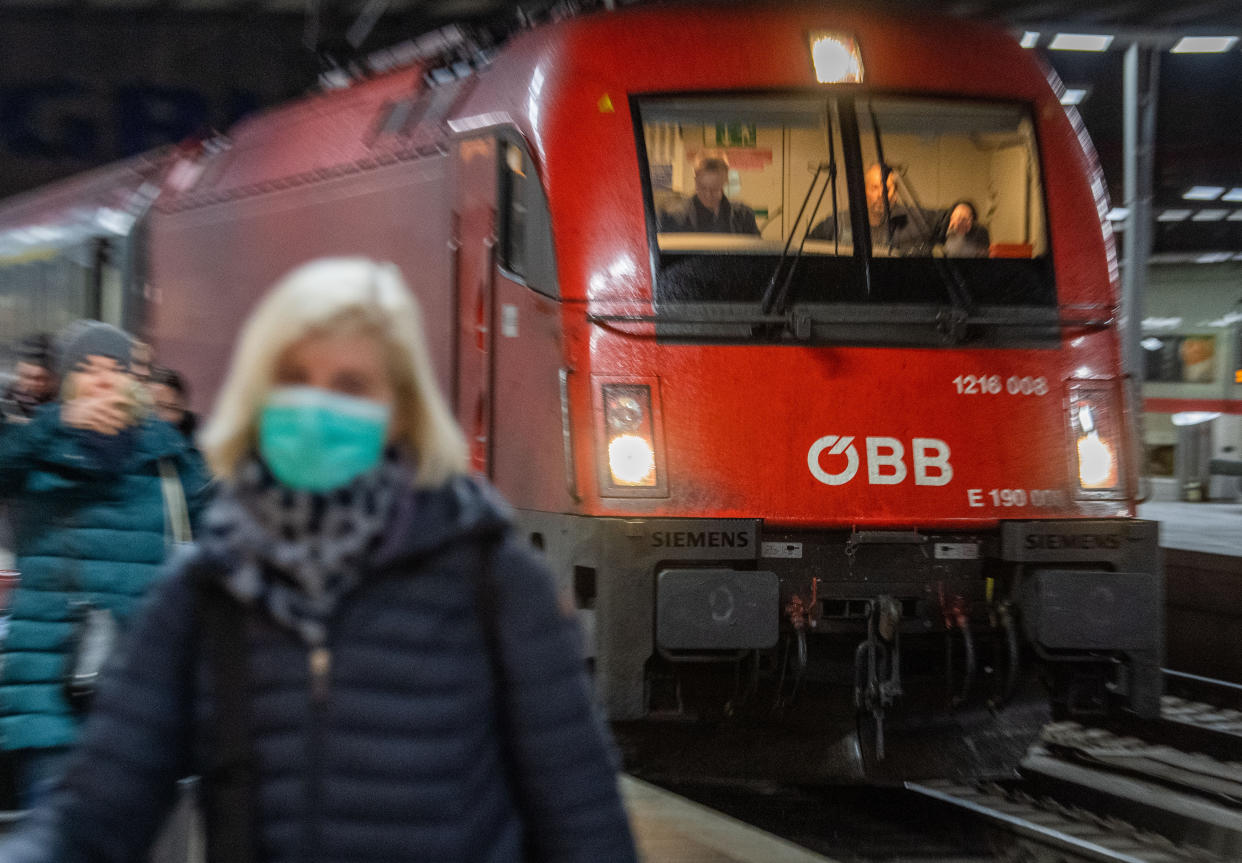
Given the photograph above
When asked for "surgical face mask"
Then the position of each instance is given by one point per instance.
(318, 440)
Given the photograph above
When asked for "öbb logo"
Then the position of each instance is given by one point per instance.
(886, 464)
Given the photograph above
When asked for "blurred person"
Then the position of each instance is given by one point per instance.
(87, 507)
(965, 237)
(709, 210)
(402, 685)
(171, 398)
(893, 225)
(142, 360)
(1198, 355)
(34, 383)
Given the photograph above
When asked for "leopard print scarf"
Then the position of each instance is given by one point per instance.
(297, 553)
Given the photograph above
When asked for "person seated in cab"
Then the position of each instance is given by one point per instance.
(896, 226)
(965, 237)
(709, 210)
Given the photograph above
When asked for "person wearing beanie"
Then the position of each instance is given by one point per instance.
(34, 383)
(86, 338)
(88, 511)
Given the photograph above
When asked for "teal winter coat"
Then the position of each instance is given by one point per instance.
(83, 530)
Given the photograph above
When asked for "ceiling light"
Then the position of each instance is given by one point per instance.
(1030, 39)
(1235, 216)
(1193, 418)
(1204, 193)
(1118, 214)
(1173, 216)
(1214, 258)
(1234, 194)
(1212, 215)
(1080, 42)
(1204, 44)
(1074, 95)
(1151, 343)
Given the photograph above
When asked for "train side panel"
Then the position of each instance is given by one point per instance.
(210, 265)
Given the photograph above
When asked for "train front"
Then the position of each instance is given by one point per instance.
(832, 443)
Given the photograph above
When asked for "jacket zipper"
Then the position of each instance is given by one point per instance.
(319, 668)
(320, 662)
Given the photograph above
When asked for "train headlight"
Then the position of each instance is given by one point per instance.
(1097, 432)
(836, 58)
(631, 451)
(632, 460)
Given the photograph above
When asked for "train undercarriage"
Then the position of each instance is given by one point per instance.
(872, 654)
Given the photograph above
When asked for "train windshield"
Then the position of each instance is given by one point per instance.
(781, 202)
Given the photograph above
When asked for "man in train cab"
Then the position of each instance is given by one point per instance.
(895, 226)
(34, 383)
(965, 237)
(709, 210)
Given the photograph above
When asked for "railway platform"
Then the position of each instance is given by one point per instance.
(1202, 545)
(668, 828)
(671, 829)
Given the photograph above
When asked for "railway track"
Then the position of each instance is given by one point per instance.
(1117, 791)
(1162, 791)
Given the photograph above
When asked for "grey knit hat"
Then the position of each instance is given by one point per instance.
(85, 338)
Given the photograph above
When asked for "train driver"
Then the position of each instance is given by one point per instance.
(709, 210)
(897, 226)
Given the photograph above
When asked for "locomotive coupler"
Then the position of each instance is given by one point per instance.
(877, 664)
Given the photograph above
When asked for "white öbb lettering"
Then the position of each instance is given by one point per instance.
(886, 463)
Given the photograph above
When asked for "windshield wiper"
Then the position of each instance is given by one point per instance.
(950, 275)
(779, 299)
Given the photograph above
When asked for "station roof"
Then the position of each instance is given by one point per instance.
(1150, 15)
(1199, 105)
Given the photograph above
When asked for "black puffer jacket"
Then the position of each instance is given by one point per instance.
(403, 760)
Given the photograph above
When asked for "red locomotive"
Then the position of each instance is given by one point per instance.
(695, 283)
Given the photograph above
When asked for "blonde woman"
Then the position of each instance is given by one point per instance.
(410, 690)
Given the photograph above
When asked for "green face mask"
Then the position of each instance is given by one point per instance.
(318, 440)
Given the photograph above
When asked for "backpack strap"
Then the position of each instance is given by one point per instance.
(485, 587)
(230, 776)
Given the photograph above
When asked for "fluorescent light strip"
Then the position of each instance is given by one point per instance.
(1204, 193)
(1118, 214)
(1173, 216)
(1214, 258)
(1235, 216)
(1080, 42)
(1233, 195)
(1029, 39)
(1211, 215)
(1204, 44)
(1074, 95)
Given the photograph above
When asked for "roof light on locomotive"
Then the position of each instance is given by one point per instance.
(836, 58)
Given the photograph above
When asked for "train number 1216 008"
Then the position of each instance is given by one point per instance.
(994, 385)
